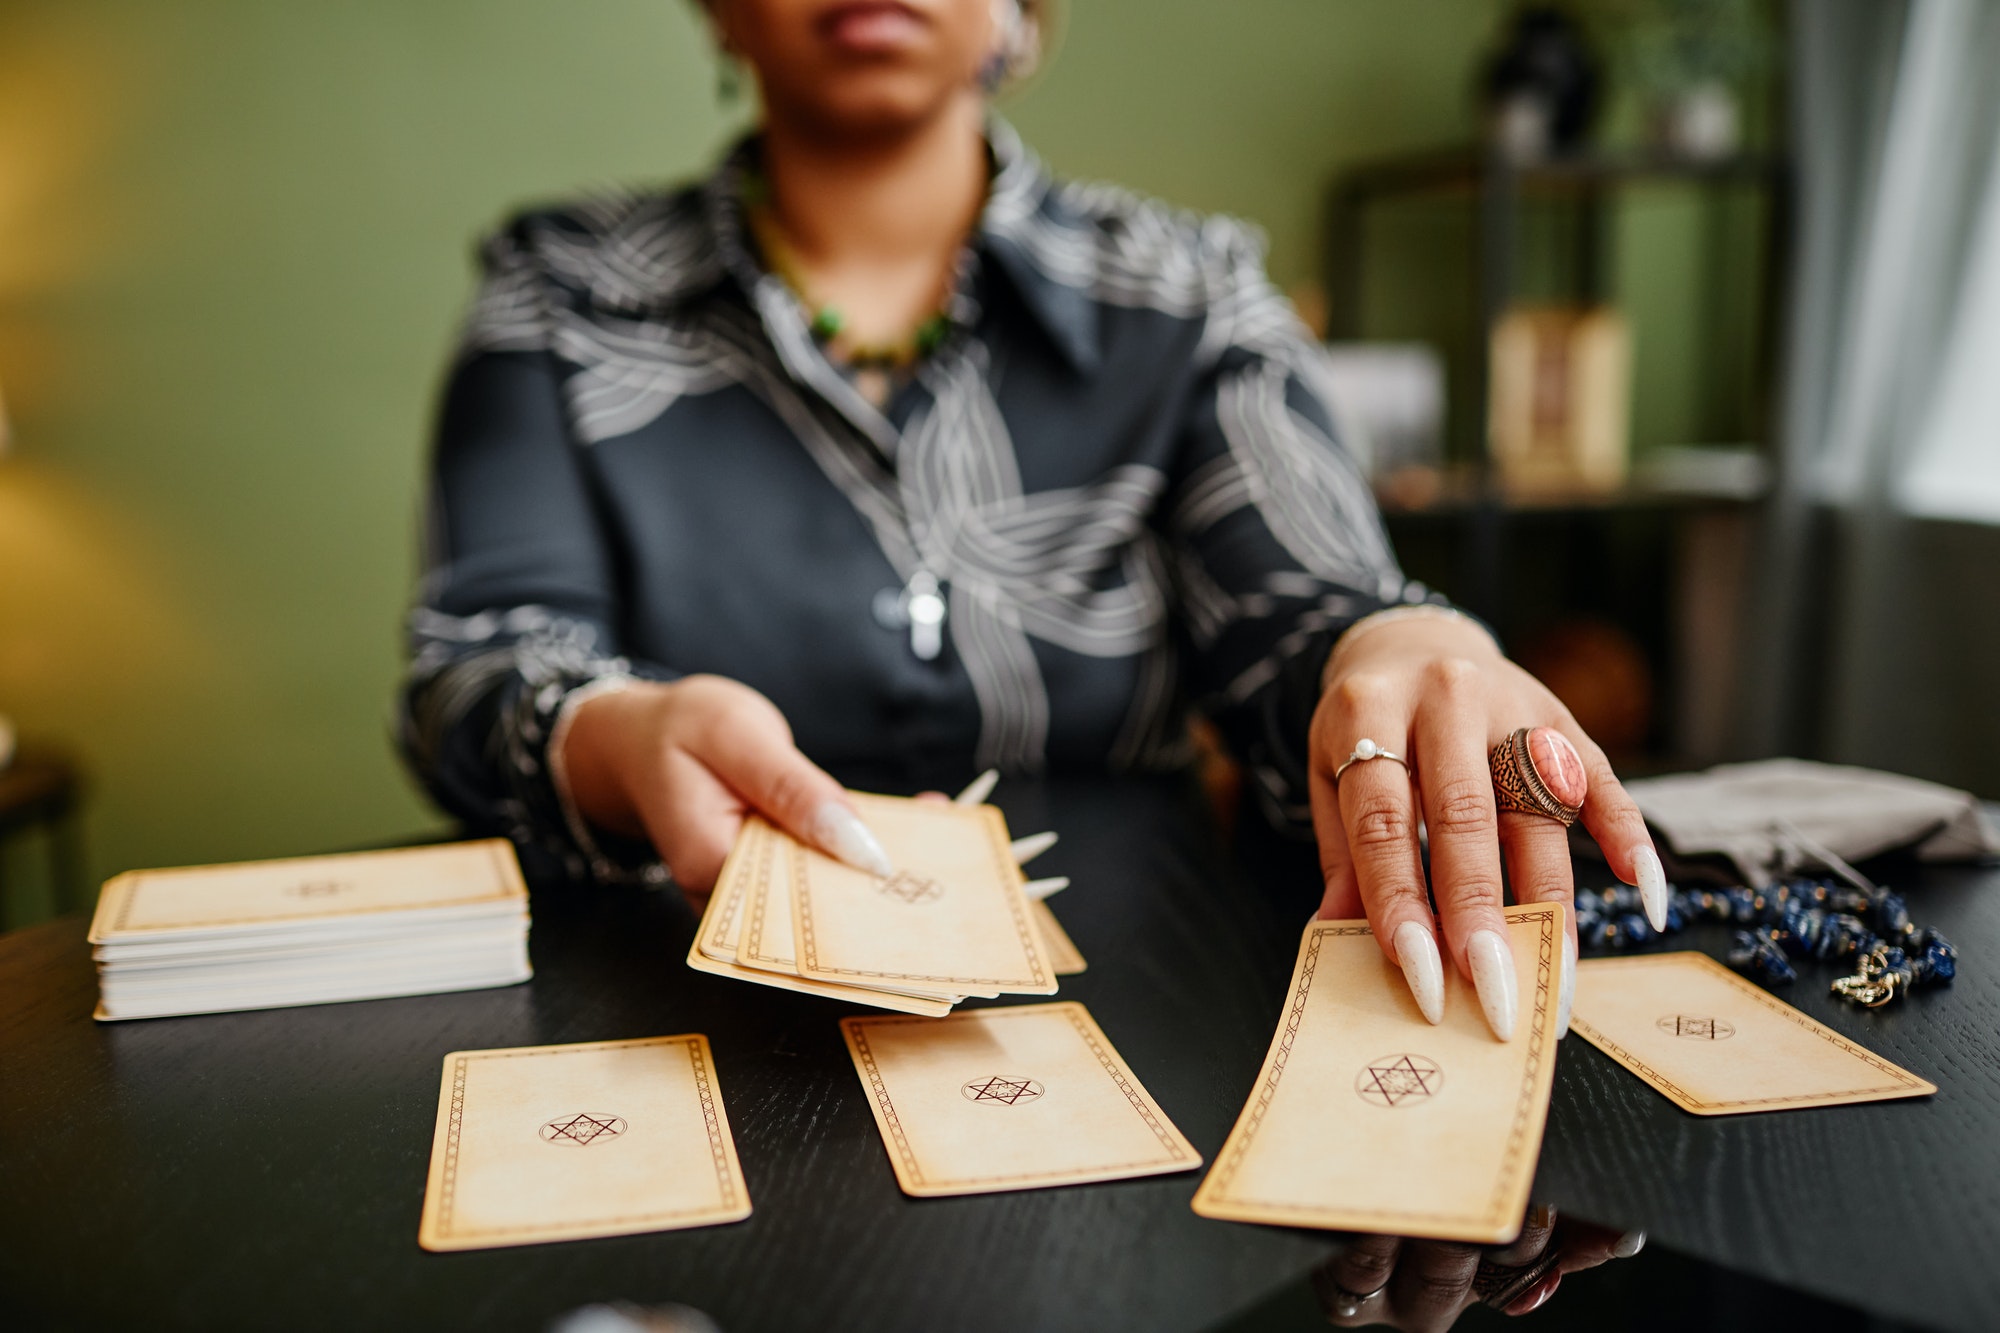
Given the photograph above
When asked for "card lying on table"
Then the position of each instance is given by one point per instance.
(952, 921)
(1715, 1043)
(606, 1138)
(1367, 1118)
(1009, 1099)
(311, 930)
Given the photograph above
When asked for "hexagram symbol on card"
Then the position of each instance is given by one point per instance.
(1398, 1080)
(1697, 1027)
(999, 1090)
(911, 888)
(582, 1129)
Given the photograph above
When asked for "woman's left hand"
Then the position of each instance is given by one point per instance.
(1435, 690)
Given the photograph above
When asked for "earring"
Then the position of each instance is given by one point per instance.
(1013, 54)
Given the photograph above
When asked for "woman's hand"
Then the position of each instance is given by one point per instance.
(1424, 1285)
(1435, 690)
(683, 763)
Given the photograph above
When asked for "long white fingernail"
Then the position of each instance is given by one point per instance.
(1417, 952)
(978, 789)
(1028, 848)
(1493, 977)
(841, 834)
(1652, 884)
(1629, 1244)
(1044, 888)
(1568, 990)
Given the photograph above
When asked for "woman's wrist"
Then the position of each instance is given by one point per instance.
(1440, 630)
(605, 729)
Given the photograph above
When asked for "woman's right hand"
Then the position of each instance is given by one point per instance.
(1423, 1286)
(685, 762)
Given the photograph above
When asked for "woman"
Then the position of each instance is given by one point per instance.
(881, 448)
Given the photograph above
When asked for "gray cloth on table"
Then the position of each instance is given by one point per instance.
(1780, 816)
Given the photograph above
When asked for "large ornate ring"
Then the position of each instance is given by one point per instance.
(1536, 771)
(1364, 750)
(1500, 1286)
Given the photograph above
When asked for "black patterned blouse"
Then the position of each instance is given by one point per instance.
(1118, 479)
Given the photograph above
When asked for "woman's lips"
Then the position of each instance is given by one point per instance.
(872, 27)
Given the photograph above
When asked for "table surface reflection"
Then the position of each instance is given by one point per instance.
(266, 1170)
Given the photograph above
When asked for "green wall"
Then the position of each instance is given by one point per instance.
(234, 241)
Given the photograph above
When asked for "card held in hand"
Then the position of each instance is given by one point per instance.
(607, 1138)
(1715, 1043)
(1014, 1098)
(716, 941)
(953, 917)
(1367, 1118)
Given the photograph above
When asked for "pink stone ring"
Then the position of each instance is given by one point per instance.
(1536, 771)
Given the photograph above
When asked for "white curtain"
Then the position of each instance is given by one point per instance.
(1892, 403)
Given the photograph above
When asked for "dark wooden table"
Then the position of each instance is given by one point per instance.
(266, 1170)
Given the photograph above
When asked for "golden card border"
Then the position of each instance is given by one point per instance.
(727, 899)
(1002, 852)
(756, 898)
(1213, 1192)
(1065, 959)
(1181, 1153)
(128, 885)
(735, 1202)
(1915, 1086)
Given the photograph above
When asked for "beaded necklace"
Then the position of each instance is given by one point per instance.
(1869, 929)
(825, 322)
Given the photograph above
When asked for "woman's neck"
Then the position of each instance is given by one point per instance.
(875, 226)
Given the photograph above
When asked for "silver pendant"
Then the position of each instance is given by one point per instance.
(918, 606)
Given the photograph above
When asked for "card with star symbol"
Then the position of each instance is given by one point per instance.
(602, 1138)
(1014, 1098)
(1715, 1043)
(1367, 1118)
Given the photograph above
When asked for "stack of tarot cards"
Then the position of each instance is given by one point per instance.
(954, 921)
(315, 930)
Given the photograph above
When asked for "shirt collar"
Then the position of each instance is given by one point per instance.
(1024, 232)
(1028, 234)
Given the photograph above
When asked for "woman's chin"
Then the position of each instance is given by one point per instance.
(879, 104)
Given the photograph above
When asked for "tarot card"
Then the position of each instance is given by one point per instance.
(1715, 1043)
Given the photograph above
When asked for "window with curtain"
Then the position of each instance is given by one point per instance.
(1954, 470)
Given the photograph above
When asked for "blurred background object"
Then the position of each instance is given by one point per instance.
(1561, 398)
(1877, 621)
(6, 725)
(1540, 89)
(1601, 675)
(1391, 395)
(41, 839)
(1687, 61)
